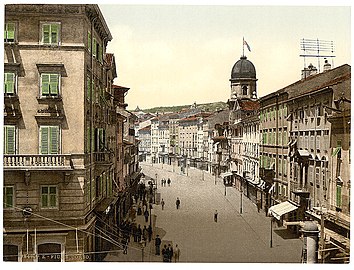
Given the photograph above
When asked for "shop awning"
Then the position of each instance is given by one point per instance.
(303, 153)
(281, 209)
(226, 174)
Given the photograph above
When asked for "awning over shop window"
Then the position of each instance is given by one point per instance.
(223, 175)
(303, 153)
(281, 209)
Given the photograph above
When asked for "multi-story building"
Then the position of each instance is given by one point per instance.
(145, 144)
(243, 135)
(63, 134)
(274, 148)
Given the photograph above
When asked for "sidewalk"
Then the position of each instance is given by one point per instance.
(138, 252)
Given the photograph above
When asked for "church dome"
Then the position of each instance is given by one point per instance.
(243, 68)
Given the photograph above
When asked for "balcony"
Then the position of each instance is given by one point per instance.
(37, 162)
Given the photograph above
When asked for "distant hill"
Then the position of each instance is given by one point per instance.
(208, 107)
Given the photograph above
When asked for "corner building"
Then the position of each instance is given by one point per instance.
(59, 133)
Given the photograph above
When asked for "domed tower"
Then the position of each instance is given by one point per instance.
(243, 80)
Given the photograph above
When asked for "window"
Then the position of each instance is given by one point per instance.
(100, 139)
(8, 199)
(9, 140)
(9, 83)
(9, 32)
(49, 197)
(244, 90)
(49, 140)
(50, 84)
(50, 33)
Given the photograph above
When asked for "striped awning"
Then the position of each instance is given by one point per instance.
(281, 209)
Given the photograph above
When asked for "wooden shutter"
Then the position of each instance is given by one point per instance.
(88, 87)
(9, 33)
(52, 196)
(94, 49)
(89, 41)
(46, 33)
(54, 140)
(339, 196)
(10, 140)
(9, 83)
(44, 132)
(45, 84)
(44, 193)
(54, 33)
(54, 84)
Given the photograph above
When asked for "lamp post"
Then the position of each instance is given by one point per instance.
(271, 231)
(142, 250)
(241, 199)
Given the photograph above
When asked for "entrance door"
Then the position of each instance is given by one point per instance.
(49, 252)
(10, 253)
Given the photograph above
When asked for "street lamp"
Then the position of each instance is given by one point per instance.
(271, 231)
(150, 206)
(241, 199)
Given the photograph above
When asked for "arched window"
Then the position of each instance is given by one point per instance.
(244, 90)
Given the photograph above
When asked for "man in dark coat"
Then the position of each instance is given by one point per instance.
(157, 245)
(146, 215)
(149, 229)
(178, 202)
(170, 252)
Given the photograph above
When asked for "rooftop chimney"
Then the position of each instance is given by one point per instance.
(327, 66)
(309, 71)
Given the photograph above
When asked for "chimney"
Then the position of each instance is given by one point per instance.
(327, 66)
(309, 71)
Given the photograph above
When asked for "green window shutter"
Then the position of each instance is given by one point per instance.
(99, 52)
(52, 196)
(45, 84)
(54, 33)
(94, 49)
(89, 41)
(54, 84)
(44, 145)
(88, 87)
(54, 140)
(8, 197)
(339, 196)
(44, 196)
(10, 140)
(46, 34)
(10, 31)
(9, 83)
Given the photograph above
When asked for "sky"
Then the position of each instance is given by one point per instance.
(180, 54)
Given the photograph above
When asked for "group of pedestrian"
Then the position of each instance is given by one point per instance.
(140, 234)
(164, 181)
(125, 231)
(168, 253)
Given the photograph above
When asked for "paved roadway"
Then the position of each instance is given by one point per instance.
(236, 237)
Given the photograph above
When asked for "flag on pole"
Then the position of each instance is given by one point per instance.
(248, 46)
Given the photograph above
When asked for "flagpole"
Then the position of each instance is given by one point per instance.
(243, 46)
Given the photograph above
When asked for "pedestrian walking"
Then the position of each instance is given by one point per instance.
(145, 234)
(149, 229)
(162, 182)
(216, 216)
(178, 203)
(169, 182)
(134, 232)
(139, 233)
(162, 204)
(176, 253)
(146, 215)
(165, 254)
(258, 205)
(170, 252)
(125, 245)
(157, 245)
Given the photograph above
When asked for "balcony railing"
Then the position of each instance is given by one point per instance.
(103, 157)
(28, 161)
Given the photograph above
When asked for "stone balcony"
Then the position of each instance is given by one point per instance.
(38, 162)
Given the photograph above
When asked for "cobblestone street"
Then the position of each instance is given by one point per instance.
(236, 237)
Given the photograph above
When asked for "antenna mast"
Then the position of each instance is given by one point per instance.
(317, 48)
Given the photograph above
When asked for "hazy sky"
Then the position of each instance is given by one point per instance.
(178, 54)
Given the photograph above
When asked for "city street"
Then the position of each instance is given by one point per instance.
(234, 237)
